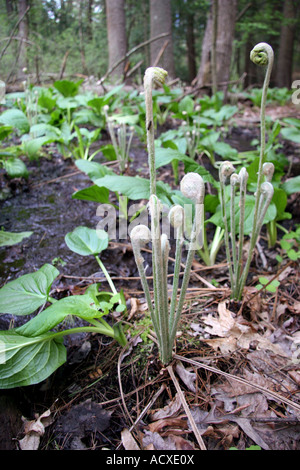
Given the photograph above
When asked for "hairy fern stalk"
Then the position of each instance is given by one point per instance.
(261, 54)
(165, 315)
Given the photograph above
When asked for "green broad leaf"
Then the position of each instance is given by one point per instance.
(88, 116)
(86, 241)
(93, 193)
(121, 308)
(292, 185)
(93, 291)
(109, 152)
(15, 167)
(5, 131)
(45, 130)
(225, 150)
(223, 114)
(291, 133)
(209, 139)
(293, 254)
(27, 361)
(93, 170)
(46, 101)
(196, 168)
(82, 306)
(134, 187)
(271, 287)
(249, 214)
(119, 334)
(67, 103)
(285, 244)
(186, 105)
(211, 202)
(12, 238)
(164, 156)
(280, 201)
(15, 118)
(27, 293)
(292, 122)
(113, 92)
(67, 88)
(31, 147)
(129, 119)
(97, 104)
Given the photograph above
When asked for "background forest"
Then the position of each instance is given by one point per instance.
(52, 38)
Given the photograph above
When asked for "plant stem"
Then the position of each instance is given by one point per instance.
(110, 282)
(197, 227)
(150, 135)
(261, 54)
(153, 75)
(178, 253)
(158, 284)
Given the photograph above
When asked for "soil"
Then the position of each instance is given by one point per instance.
(101, 390)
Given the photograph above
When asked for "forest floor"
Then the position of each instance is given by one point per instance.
(235, 378)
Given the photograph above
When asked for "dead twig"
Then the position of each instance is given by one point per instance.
(186, 409)
(129, 53)
(120, 385)
(13, 31)
(264, 390)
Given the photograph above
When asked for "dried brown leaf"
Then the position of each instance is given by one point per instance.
(181, 443)
(170, 410)
(187, 377)
(178, 424)
(128, 440)
(235, 333)
(34, 430)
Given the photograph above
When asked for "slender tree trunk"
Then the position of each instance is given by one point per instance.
(145, 10)
(287, 35)
(161, 22)
(190, 43)
(227, 10)
(81, 39)
(116, 34)
(9, 8)
(90, 19)
(23, 34)
(204, 72)
(249, 69)
(214, 46)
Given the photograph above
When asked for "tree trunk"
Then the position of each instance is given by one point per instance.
(116, 34)
(9, 8)
(214, 46)
(161, 22)
(204, 72)
(23, 34)
(89, 25)
(190, 43)
(227, 10)
(287, 35)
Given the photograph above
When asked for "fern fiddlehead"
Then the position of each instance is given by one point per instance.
(262, 54)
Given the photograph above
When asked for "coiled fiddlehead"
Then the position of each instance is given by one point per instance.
(154, 76)
(262, 54)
